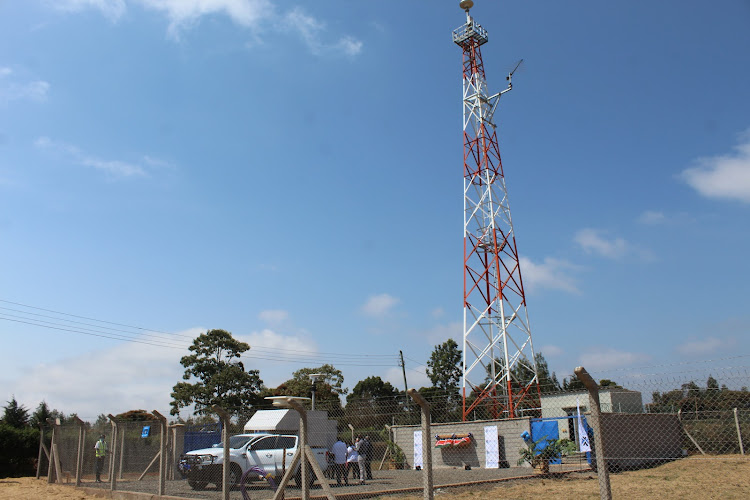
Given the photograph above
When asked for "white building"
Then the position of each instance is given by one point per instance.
(564, 405)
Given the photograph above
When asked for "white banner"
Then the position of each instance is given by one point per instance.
(491, 450)
(418, 449)
(583, 434)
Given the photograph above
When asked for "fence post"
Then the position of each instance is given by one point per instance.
(41, 450)
(113, 456)
(426, 448)
(739, 433)
(122, 451)
(679, 417)
(178, 446)
(52, 450)
(224, 416)
(162, 452)
(81, 444)
(602, 473)
(303, 454)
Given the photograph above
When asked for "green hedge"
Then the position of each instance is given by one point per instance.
(19, 449)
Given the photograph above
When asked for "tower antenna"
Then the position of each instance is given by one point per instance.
(499, 369)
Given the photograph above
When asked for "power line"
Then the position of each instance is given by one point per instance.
(142, 336)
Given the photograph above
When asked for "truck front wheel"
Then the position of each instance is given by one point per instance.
(197, 485)
(235, 473)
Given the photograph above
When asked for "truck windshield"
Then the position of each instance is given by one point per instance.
(239, 441)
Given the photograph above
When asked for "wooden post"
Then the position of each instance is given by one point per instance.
(679, 417)
(739, 433)
(121, 449)
(162, 452)
(602, 473)
(178, 446)
(112, 475)
(224, 416)
(304, 454)
(51, 467)
(81, 444)
(41, 450)
(426, 444)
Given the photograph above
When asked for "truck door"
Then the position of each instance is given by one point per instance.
(261, 454)
(287, 445)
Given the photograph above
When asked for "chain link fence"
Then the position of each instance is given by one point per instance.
(645, 421)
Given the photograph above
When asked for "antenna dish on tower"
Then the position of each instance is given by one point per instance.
(466, 4)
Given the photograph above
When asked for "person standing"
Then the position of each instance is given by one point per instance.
(339, 457)
(359, 445)
(352, 461)
(366, 451)
(100, 451)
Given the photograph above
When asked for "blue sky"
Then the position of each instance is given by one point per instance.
(292, 172)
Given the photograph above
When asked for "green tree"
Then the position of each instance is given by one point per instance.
(573, 383)
(547, 380)
(712, 384)
(16, 415)
(444, 366)
(219, 374)
(40, 415)
(136, 416)
(373, 402)
(609, 384)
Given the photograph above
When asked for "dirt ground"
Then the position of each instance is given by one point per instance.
(725, 477)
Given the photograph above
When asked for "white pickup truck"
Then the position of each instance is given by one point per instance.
(270, 452)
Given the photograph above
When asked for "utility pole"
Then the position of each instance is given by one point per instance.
(403, 370)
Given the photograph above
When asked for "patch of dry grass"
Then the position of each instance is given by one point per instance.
(724, 477)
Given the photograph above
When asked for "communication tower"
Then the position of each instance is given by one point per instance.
(499, 370)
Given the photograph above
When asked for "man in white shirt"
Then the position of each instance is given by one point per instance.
(339, 455)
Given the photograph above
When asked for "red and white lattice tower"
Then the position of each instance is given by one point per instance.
(499, 371)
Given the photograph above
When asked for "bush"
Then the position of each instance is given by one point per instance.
(18, 451)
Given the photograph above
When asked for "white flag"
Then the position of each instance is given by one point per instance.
(583, 435)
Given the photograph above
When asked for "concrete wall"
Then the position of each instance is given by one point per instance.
(509, 442)
(639, 440)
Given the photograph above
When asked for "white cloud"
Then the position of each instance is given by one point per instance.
(111, 9)
(114, 168)
(596, 359)
(348, 45)
(652, 218)
(708, 345)
(13, 89)
(723, 177)
(551, 351)
(440, 333)
(273, 316)
(129, 376)
(252, 14)
(592, 241)
(112, 380)
(550, 274)
(438, 312)
(277, 356)
(379, 305)
(311, 31)
(185, 13)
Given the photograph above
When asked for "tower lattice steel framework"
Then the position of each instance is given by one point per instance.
(499, 370)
